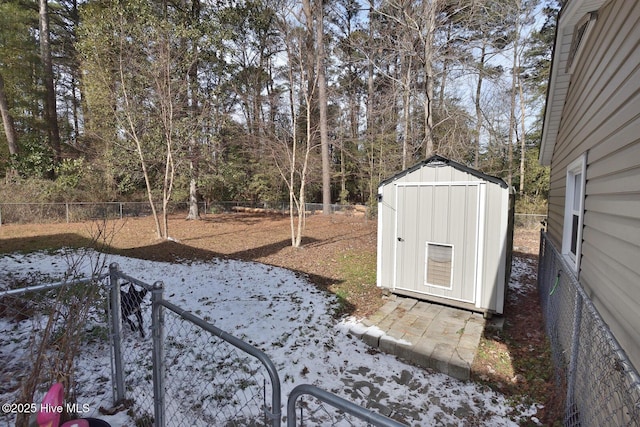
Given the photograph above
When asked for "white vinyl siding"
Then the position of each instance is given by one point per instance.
(601, 117)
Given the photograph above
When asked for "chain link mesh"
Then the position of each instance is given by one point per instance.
(54, 333)
(603, 387)
(209, 381)
(137, 362)
(206, 380)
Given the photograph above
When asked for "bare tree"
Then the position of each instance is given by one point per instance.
(151, 88)
(410, 36)
(291, 151)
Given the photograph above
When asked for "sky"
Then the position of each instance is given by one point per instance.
(274, 309)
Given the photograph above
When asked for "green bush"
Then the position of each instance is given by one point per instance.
(35, 160)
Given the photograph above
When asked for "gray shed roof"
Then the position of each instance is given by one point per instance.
(437, 160)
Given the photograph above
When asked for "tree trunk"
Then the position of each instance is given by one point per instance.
(523, 140)
(76, 100)
(194, 213)
(7, 121)
(428, 75)
(297, 201)
(322, 100)
(309, 53)
(406, 102)
(132, 130)
(50, 111)
(476, 159)
(167, 187)
(512, 115)
(369, 118)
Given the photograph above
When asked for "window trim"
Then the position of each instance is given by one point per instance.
(575, 168)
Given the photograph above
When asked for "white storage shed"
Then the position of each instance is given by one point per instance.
(445, 234)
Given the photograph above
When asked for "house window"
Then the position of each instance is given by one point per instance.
(573, 212)
(439, 265)
(580, 35)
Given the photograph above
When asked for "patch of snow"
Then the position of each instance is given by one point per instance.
(520, 268)
(279, 312)
(352, 325)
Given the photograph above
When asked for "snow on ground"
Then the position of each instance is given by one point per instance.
(521, 268)
(277, 311)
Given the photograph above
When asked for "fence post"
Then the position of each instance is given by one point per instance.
(573, 361)
(157, 323)
(116, 337)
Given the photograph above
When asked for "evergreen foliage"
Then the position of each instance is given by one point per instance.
(155, 95)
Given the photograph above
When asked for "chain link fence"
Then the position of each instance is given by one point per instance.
(186, 372)
(210, 381)
(27, 213)
(116, 349)
(603, 387)
(132, 349)
(528, 221)
(51, 333)
(35, 213)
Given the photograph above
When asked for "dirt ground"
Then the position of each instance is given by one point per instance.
(337, 254)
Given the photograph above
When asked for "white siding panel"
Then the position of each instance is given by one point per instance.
(621, 153)
(616, 205)
(617, 304)
(624, 229)
(601, 116)
(627, 181)
(604, 89)
(610, 248)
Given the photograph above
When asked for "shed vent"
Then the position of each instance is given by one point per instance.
(439, 265)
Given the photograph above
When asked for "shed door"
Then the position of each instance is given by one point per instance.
(437, 232)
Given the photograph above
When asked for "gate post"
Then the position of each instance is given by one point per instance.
(116, 337)
(157, 324)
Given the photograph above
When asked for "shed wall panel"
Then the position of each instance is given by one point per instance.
(434, 209)
(494, 249)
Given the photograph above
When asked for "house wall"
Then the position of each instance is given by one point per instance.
(602, 118)
(493, 245)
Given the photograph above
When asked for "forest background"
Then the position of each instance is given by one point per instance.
(266, 101)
